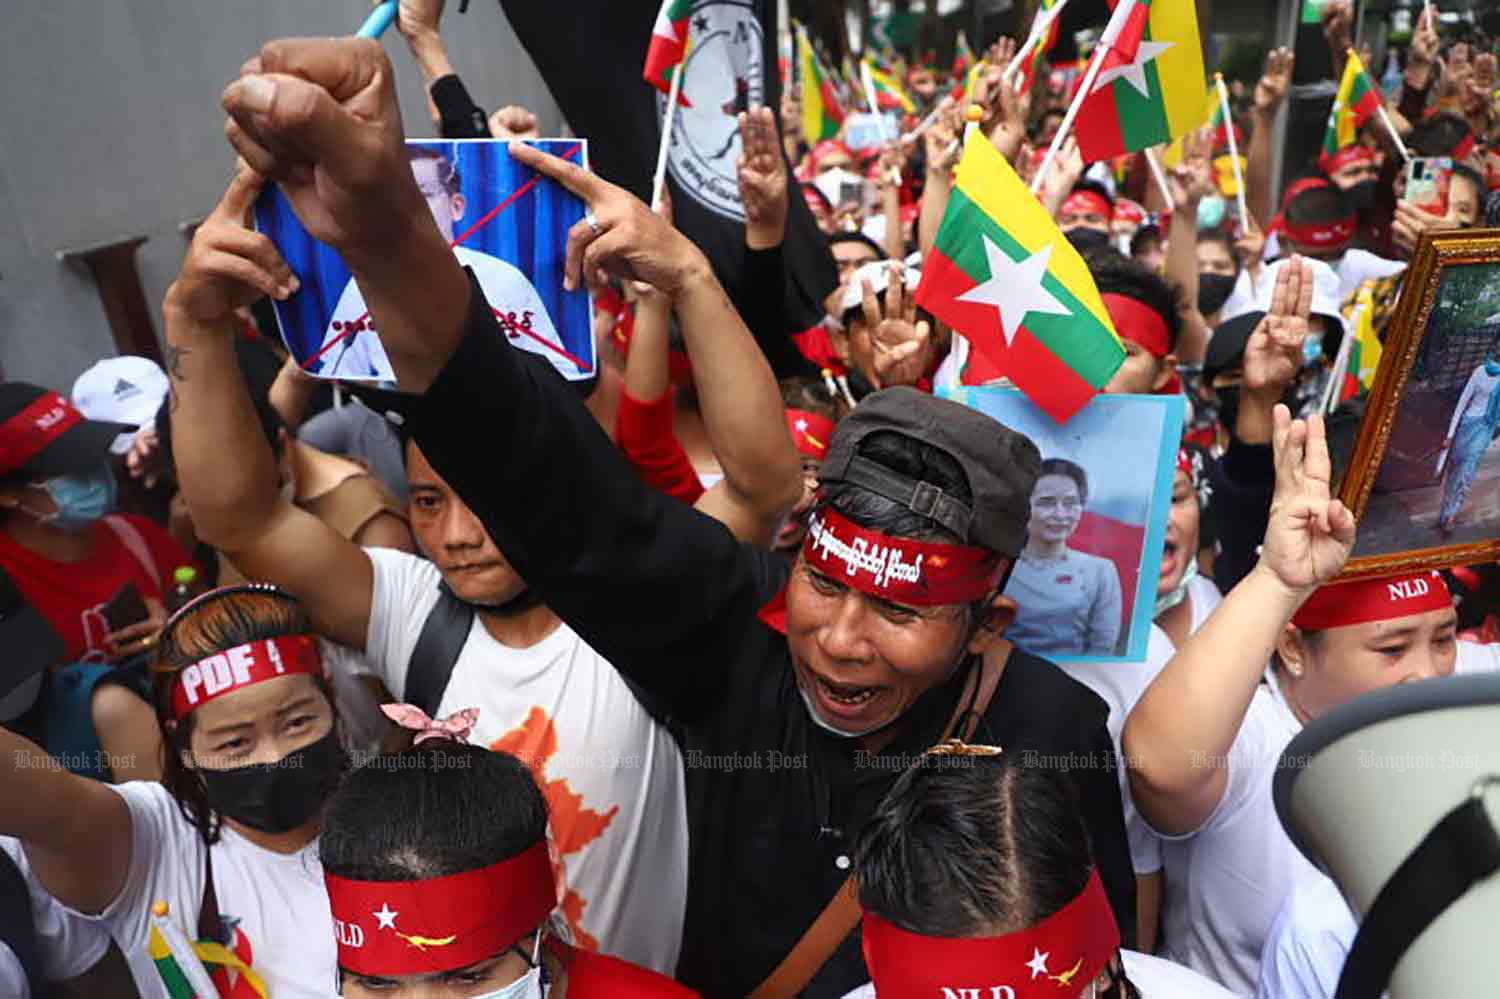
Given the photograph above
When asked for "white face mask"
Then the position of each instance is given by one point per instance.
(812, 712)
(529, 985)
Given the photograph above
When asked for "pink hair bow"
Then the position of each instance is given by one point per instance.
(456, 726)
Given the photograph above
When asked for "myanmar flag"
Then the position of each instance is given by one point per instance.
(1364, 359)
(888, 93)
(177, 965)
(1312, 11)
(821, 113)
(1355, 102)
(1043, 47)
(1017, 290)
(1150, 94)
(669, 40)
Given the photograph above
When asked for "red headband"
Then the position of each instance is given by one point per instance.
(1057, 957)
(1305, 184)
(1128, 210)
(810, 432)
(242, 666)
(1139, 323)
(420, 927)
(1320, 235)
(27, 434)
(1464, 148)
(1347, 156)
(903, 571)
(1339, 605)
(1185, 464)
(1086, 201)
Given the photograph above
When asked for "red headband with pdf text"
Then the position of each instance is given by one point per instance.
(1139, 323)
(243, 666)
(27, 434)
(1057, 957)
(903, 571)
(440, 924)
(810, 432)
(1339, 605)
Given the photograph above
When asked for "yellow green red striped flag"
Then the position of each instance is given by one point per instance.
(1146, 93)
(889, 94)
(1002, 274)
(821, 113)
(1356, 100)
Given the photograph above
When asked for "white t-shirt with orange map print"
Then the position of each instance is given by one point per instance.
(612, 776)
(274, 904)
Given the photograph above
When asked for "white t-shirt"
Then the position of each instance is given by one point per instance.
(1157, 979)
(1226, 881)
(275, 904)
(612, 777)
(1315, 929)
(362, 358)
(1121, 686)
(1357, 266)
(67, 944)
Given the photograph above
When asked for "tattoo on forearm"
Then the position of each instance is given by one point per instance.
(172, 361)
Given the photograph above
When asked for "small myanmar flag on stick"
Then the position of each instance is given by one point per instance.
(182, 974)
(888, 92)
(1150, 94)
(1017, 289)
(669, 40)
(821, 112)
(1353, 105)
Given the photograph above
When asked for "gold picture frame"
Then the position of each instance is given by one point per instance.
(1409, 511)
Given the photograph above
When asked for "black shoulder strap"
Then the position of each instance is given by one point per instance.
(17, 930)
(1460, 850)
(443, 636)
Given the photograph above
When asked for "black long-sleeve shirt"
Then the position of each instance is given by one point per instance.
(1244, 480)
(671, 598)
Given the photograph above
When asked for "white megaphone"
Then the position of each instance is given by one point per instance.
(1396, 795)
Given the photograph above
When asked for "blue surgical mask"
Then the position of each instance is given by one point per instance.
(529, 985)
(1210, 212)
(80, 499)
(1312, 349)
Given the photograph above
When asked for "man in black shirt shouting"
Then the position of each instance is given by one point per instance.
(801, 693)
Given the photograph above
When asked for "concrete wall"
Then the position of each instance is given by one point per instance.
(110, 126)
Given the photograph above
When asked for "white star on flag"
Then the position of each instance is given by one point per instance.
(1134, 73)
(385, 916)
(1015, 288)
(1038, 962)
(801, 425)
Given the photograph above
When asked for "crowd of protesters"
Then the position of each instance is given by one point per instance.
(503, 689)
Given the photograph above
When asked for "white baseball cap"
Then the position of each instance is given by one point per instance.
(126, 390)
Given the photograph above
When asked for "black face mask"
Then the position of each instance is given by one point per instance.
(1086, 239)
(1229, 406)
(1213, 292)
(1362, 196)
(278, 797)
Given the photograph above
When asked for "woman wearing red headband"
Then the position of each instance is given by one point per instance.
(440, 883)
(976, 878)
(227, 840)
(1206, 737)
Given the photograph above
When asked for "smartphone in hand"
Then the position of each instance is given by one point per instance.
(125, 608)
(1427, 179)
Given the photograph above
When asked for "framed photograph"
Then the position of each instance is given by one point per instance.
(1085, 584)
(1424, 481)
(506, 223)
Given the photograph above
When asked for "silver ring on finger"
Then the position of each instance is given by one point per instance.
(593, 221)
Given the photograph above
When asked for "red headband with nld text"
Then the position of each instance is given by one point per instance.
(1339, 605)
(243, 666)
(903, 571)
(1055, 958)
(440, 924)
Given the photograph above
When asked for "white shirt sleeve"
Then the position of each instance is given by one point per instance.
(1308, 942)
(67, 944)
(164, 850)
(404, 592)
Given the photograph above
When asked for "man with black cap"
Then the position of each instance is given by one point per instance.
(801, 696)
